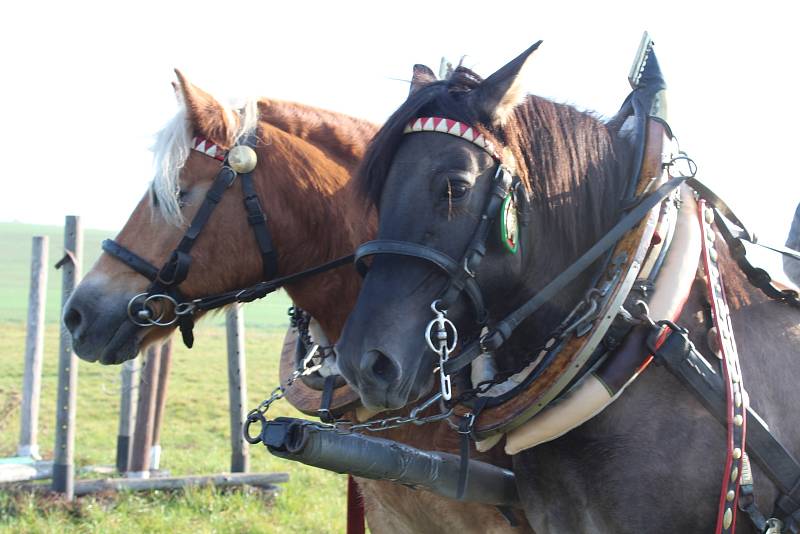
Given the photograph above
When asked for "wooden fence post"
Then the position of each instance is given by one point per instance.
(34, 345)
(139, 466)
(63, 467)
(237, 387)
(127, 411)
(161, 402)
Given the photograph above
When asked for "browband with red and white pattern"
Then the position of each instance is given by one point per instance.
(201, 144)
(451, 127)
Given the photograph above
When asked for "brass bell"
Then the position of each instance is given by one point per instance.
(242, 159)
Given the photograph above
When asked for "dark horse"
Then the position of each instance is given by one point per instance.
(653, 460)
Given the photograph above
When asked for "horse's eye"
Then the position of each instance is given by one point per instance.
(457, 189)
(182, 197)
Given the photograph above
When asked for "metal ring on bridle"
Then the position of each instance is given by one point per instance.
(135, 316)
(185, 308)
(443, 324)
(157, 321)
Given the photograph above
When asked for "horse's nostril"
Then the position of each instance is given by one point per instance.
(72, 320)
(380, 367)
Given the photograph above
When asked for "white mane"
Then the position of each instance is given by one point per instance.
(173, 146)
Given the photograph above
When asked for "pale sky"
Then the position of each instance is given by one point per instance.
(84, 86)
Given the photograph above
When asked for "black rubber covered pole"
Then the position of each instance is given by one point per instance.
(382, 459)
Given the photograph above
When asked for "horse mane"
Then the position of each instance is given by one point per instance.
(565, 157)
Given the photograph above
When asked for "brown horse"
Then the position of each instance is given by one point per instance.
(305, 160)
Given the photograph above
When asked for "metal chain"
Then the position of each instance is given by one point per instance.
(300, 320)
(259, 414)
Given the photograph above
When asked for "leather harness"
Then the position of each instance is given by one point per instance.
(724, 395)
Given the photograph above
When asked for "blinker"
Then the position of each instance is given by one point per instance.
(242, 159)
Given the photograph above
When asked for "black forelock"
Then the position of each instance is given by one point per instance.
(445, 98)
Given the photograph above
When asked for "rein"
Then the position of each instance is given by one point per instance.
(163, 304)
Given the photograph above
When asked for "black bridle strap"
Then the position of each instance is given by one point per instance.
(176, 269)
(262, 289)
(501, 186)
(423, 252)
(503, 330)
(258, 221)
(461, 275)
(131, 259)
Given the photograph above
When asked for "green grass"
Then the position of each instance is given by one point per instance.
(195, 435)
(195, 440)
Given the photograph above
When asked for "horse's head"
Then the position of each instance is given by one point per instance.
(294, 170)
(432, 190)
(452, 172)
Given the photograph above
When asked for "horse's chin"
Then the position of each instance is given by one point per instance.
(396, 399)
(122, 345)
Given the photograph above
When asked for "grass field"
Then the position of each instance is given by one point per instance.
(195, 437)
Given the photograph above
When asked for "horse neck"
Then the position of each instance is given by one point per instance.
(322, 216)
(577, 169)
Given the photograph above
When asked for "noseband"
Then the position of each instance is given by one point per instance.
(163, 304)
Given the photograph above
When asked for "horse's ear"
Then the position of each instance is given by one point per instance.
(207, 116)
(501, 92)
(421, 77)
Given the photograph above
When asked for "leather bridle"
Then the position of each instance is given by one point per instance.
(462, 273)
(162, 303)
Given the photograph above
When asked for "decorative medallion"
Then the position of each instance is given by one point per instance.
(242, 159)
(509, 229)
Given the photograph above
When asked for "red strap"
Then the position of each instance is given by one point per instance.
(736, 397)
(355, 508)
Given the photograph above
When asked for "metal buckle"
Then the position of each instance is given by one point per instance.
(470, 421)
(442, 345)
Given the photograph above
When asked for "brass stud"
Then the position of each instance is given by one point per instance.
(737, 453)
(734, 474)
(731, 495)
(738, 420)
(712, 252)
(708, 214)
(727, 519)
(242, 159)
